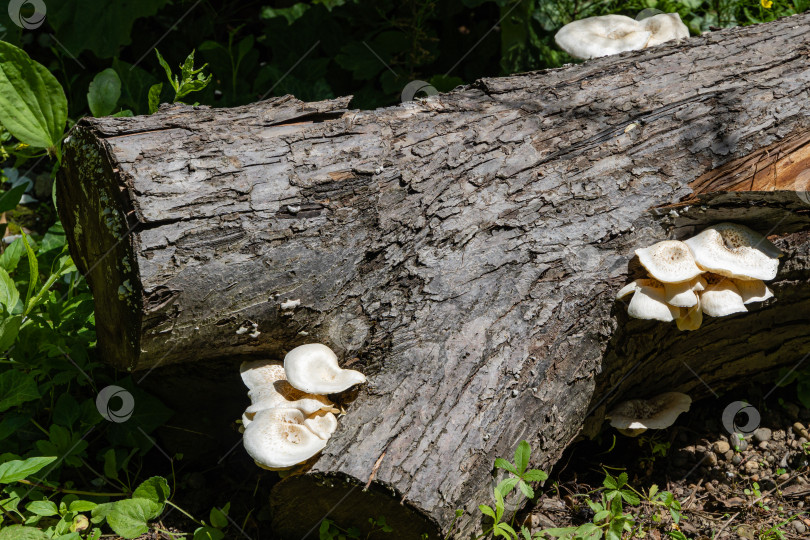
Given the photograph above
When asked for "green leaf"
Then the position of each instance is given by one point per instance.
(630, 497)
(622, 479)
(18, 532)
(601, 516)
(507, 485)
(155, 489)
(16, 388)
(110, 469)
(42, 508)
(104, 92)
(12, 255)
(217, 518)
(535, 475)
(130, 517)
(66, 411)
(172, 79)
(15, 470)
(526, 489)
(291, 14)
(9, 295)
(522, 454)
(33, 106)
(677, 535)
(154, 97)
(81, 506)
(33, 271)
(610, 482)
(11, 198)
(501, 463)
(100, 512)
(209, 533)
(9, 330)
(486, 510)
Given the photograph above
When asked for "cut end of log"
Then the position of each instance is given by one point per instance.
(99, 223)
(300, 503)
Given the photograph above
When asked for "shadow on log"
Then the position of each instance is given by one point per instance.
(463, 251)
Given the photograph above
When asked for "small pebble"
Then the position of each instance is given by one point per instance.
(721, 447)
(799, 527)
(736, 459)
(751, 466)
(762, 434)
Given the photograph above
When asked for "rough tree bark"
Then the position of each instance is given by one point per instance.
(463, 251)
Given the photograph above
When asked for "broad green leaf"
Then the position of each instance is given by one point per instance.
(104, 92)
(9, 295)
(11, 422)
(522, 454)
(135, 84)
(630, 497)
(82, 506)
(154, 489)
(42, 508)
(12, 255)
(11, 198)
(9, 330)
(66, 412)
(16, 388)
(110, 469)
(217, 518)
(15, 470)
(130, 517)
(18, 532)
(33, 106)
(100, 512)
(76, 23)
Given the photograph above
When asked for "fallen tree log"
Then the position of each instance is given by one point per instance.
(463, 251)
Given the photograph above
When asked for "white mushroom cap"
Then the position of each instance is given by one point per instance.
(268, 388)
(669, 261)
(313, 368)
(684, 294)
(648, 302)
(278, 439)
(691, 317)
(635, 416)
(322, 424)
(601, 36)
(721, 297)
(753, 290)
(735, 251)
(664, 27)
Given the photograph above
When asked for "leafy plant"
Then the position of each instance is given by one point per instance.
(329, 530)
(190, 80)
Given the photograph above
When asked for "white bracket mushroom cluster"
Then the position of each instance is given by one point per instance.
(290, 419)
(634, 417)
(612, 34)
(717, 272)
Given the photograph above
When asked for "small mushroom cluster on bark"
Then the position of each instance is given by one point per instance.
(717, 272)
(290, 419)
(612, 34)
